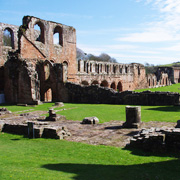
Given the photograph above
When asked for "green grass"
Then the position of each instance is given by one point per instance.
(106, 112)
(172, 88)
(15, 108)
(27, 159)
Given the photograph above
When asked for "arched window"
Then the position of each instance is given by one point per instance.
(85, 83)
(119, 87)
(104, 83)
(39, 32)
(58, 35)
(149, 82)
(95, 82)
(8, 37)
(113, 85)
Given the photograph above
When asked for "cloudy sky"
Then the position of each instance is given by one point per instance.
(128, 30)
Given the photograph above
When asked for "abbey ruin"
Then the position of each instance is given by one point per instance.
(34, 68)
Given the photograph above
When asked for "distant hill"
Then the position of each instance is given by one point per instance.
(174, 64)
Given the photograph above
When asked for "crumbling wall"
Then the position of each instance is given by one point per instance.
(21, 81)
(4, 50)
(157, 140)
(173, 73)
(44, 47)
(95, 94)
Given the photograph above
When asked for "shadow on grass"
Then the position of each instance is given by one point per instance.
(149, 171)
(165, 108)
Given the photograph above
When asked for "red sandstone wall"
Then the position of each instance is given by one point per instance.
(47, 49)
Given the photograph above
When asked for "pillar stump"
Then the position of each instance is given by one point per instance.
(133, 117)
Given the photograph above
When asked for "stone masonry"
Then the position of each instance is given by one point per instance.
(36, 66)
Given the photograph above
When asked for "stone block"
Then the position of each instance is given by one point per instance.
(90, 120)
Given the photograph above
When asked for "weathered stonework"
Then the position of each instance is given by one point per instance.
(173, 73)
(33, 68)
(117, 76)
(157, 140)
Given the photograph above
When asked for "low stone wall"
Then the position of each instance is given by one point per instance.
(157, 140)
(41, 130)
(100, 95)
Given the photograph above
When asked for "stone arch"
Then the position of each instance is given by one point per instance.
(104, 83)
(153, 82)
(119, 86)
(113, 85)
(95, 82)
(39, 32)
(8, 37)
(48, 95)
(58, 35)
(85, 83)
(65, 71)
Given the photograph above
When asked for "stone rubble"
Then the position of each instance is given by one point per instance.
(157, 139)
(90, 120)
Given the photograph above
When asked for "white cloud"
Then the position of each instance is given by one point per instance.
(176, 47)
(167, 28)
(151, 35)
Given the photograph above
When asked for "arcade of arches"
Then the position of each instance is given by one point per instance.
(42, 55)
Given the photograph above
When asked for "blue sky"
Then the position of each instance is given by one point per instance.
(129, 30)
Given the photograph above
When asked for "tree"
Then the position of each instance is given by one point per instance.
(150, 68)
(80, 54)
(102, 57)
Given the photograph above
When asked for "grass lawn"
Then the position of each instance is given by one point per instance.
(29, 159)
(172, 88)
(106, 112)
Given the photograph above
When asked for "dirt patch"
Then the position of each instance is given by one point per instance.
(109, 133)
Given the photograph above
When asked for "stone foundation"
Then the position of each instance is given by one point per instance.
(157, 140)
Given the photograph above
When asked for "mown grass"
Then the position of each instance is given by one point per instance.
(172, 88)
(28, 159)
(105, 112)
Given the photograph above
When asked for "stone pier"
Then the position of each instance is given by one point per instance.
(133, 117)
